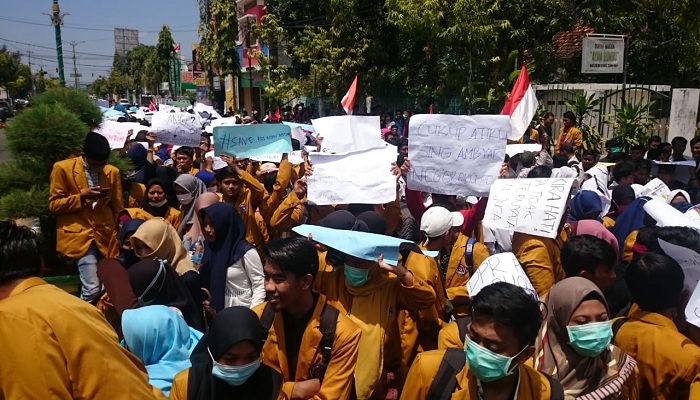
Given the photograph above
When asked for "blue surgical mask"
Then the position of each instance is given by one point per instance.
(590, 340)
(234, 376)
(355, 277)
(486, 365)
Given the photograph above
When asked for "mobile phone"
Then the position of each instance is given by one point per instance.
(106, 191)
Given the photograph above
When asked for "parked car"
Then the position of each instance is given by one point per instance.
(124, 102)
(5, 111)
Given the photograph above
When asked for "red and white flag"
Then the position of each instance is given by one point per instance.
(177, 48)
(152, 106)
(348, 101)
(277, 114)
(521, 105)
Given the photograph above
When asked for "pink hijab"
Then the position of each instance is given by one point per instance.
(595, 228)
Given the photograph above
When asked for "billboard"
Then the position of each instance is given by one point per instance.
(125, 40)
(603, 55)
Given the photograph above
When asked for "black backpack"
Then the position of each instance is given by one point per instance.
(453, 361)
(329, 320)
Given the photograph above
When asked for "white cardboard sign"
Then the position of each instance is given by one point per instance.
(502, 267)
(656, 188)
(347, 133)
(116, 132)
(456, 154)
(361, 177)
(178, 128)
(294, 157)
(533, 206)
(514, 149)
(688, 260)
(665, 215)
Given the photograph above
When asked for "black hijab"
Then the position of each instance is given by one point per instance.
(156, 211)
(128, 257)
(156, 283)
(229, 327)
(229, 247)
(345, 220)
(375, 222)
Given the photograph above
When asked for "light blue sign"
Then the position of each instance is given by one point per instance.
(249, 141)
(363, 245)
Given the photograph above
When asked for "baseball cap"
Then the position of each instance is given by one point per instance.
(438, 220)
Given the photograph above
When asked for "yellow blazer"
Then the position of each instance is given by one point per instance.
(79, 222)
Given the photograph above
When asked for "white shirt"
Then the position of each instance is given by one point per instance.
(245, 282)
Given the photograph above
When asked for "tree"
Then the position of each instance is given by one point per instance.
(76, 102)
(43, 84)
(217, 48)
(9, 66)
(137, 65)
(119, 63)
(100, 87)
(160, 60)
(22, 85)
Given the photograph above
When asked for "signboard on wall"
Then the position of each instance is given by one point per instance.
(603, 55)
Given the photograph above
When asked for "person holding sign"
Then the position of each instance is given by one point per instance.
(574, 345)
(245, 193)
(669, 363)
(499, 341)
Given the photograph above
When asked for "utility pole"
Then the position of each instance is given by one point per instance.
(31, 74)
(75, 73)
(57, 21)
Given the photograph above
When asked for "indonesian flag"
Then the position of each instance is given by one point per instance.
(348, 101)
(277, 114)
(177, 48)
(521, 105)
(152, 106)
(430, 110)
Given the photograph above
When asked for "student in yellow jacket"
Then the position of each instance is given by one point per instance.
(295, 317)
(500, 339)
(541, 258)
(276, 181)
(85, 194)
(290, 212)
(569, 133)
(245, 193)
(668, 362)
(364, 291)
(54, 345)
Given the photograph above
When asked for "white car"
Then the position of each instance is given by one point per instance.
(124, 102)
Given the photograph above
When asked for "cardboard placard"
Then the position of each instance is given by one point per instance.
(250, 141)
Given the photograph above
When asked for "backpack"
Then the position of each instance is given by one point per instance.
(453, 361)
(329, 320)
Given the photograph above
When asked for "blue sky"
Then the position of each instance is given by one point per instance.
(24, 27)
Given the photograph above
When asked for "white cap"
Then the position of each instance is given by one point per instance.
(438, 220)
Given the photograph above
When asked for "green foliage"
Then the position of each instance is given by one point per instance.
(139, 67)
(159, 62)
(632, 122)
(218, 45)
(13, 176)
(75, 101)
(43, 134)
(9, 66)
(100, 87)
(583, 107)
(43, 84)
(32, 203)
(123, 164)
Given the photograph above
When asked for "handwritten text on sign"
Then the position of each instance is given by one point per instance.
(503, 267)
(456, 154)
(533, 206)
(359, 177)
(116, 132)
(250, 141)
(178, 128)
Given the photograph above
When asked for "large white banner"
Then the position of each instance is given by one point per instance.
(456, 154)
(178, 128)
(361, 177)
(347, 133)
(503, 267)
(603, 55)
(533, 206)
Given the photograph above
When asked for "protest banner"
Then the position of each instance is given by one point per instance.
(534, 206)
(294, 157)
(178, 128)
(116, 132)
(347, 133)
(249, 141)
(692, 310)
(688, 259)
(502, 267)
(514, 149)
(456, 154)
(665, 215)
(298, 134)
(361, 177)
(656, 188)
(200, 108)
(304, 127)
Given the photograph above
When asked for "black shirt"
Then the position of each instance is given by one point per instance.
(293, 334)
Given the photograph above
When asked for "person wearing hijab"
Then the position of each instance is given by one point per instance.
(375, 222)
(678, 196)
(137, 155)
(209, 179)
(627, 226)
(155, 283)
(195, 231)
(226, 364)
(622, 196)
(231, 267)
(586, 204)
(161, 339)
(595, 228)
(575, 347)
(156, 203)
(188, 189)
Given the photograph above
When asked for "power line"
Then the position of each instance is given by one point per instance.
(19, 21)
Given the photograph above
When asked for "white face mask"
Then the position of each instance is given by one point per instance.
(185, 199)
(158, 204)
